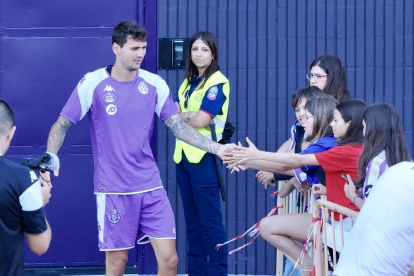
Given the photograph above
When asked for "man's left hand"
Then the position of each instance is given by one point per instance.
(227, 148)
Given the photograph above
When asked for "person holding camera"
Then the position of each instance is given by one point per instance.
(22, 199)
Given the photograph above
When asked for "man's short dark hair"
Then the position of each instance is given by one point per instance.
(124, 29)
(6, 117)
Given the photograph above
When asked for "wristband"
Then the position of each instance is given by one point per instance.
(185, 118)
(355, 198)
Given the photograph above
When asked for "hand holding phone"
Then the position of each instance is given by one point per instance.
(346, 178)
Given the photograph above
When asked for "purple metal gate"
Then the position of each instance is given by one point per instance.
(46, 48)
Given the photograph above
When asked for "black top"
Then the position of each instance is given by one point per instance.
(21, 206)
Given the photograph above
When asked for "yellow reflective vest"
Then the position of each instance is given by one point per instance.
(193, 154)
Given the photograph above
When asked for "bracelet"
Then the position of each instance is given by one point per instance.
(355, 198)
(185, 118)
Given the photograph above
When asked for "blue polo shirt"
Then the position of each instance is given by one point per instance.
(321, 145)
(213, 99)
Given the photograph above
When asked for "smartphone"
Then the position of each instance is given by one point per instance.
(346, 178)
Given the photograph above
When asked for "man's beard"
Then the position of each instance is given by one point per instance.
(132, 69)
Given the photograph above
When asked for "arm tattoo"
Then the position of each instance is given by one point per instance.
(57, 134)
(189, 135)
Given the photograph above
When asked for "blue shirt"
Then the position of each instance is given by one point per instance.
(213, 99)
(320, 145)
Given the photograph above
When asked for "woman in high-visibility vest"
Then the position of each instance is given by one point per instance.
(202, 97)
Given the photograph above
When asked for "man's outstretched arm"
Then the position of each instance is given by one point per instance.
(57, 134)
(55, 140)
(191, 136)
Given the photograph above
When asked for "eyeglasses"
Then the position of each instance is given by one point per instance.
(317, 77)
(306, 117)
(187, 98)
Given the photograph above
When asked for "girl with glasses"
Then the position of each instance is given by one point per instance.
(327, 73)
(316, 123)
(297, 143)
(282, 230)
(202, 97)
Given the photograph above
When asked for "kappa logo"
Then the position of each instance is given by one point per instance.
(33, 177)
(108, 88)
(109, 97)
(111, 109)
(143, 88)
(114, 217)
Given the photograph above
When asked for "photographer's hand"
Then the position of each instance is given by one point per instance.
(46, 175)
(45, 188)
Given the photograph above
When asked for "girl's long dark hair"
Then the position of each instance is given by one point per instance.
(336, 83)
(191, 69)
(352, 110)
(322, 108)
(383, 131)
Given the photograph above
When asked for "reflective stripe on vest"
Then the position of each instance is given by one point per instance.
(220, 123)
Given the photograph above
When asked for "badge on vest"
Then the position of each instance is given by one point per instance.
(212, 93)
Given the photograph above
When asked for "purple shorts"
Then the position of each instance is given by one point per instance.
(124, 220)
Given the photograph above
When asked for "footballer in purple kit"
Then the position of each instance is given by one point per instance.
(120, 102)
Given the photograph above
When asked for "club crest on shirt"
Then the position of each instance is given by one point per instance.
(114, 217)
(109, 97)
(212, 93)
(143, 88)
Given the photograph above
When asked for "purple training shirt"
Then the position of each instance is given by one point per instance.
(121, 117)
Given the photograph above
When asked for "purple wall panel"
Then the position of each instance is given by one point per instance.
(66, 13)
(37, 83)
(46, 48)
